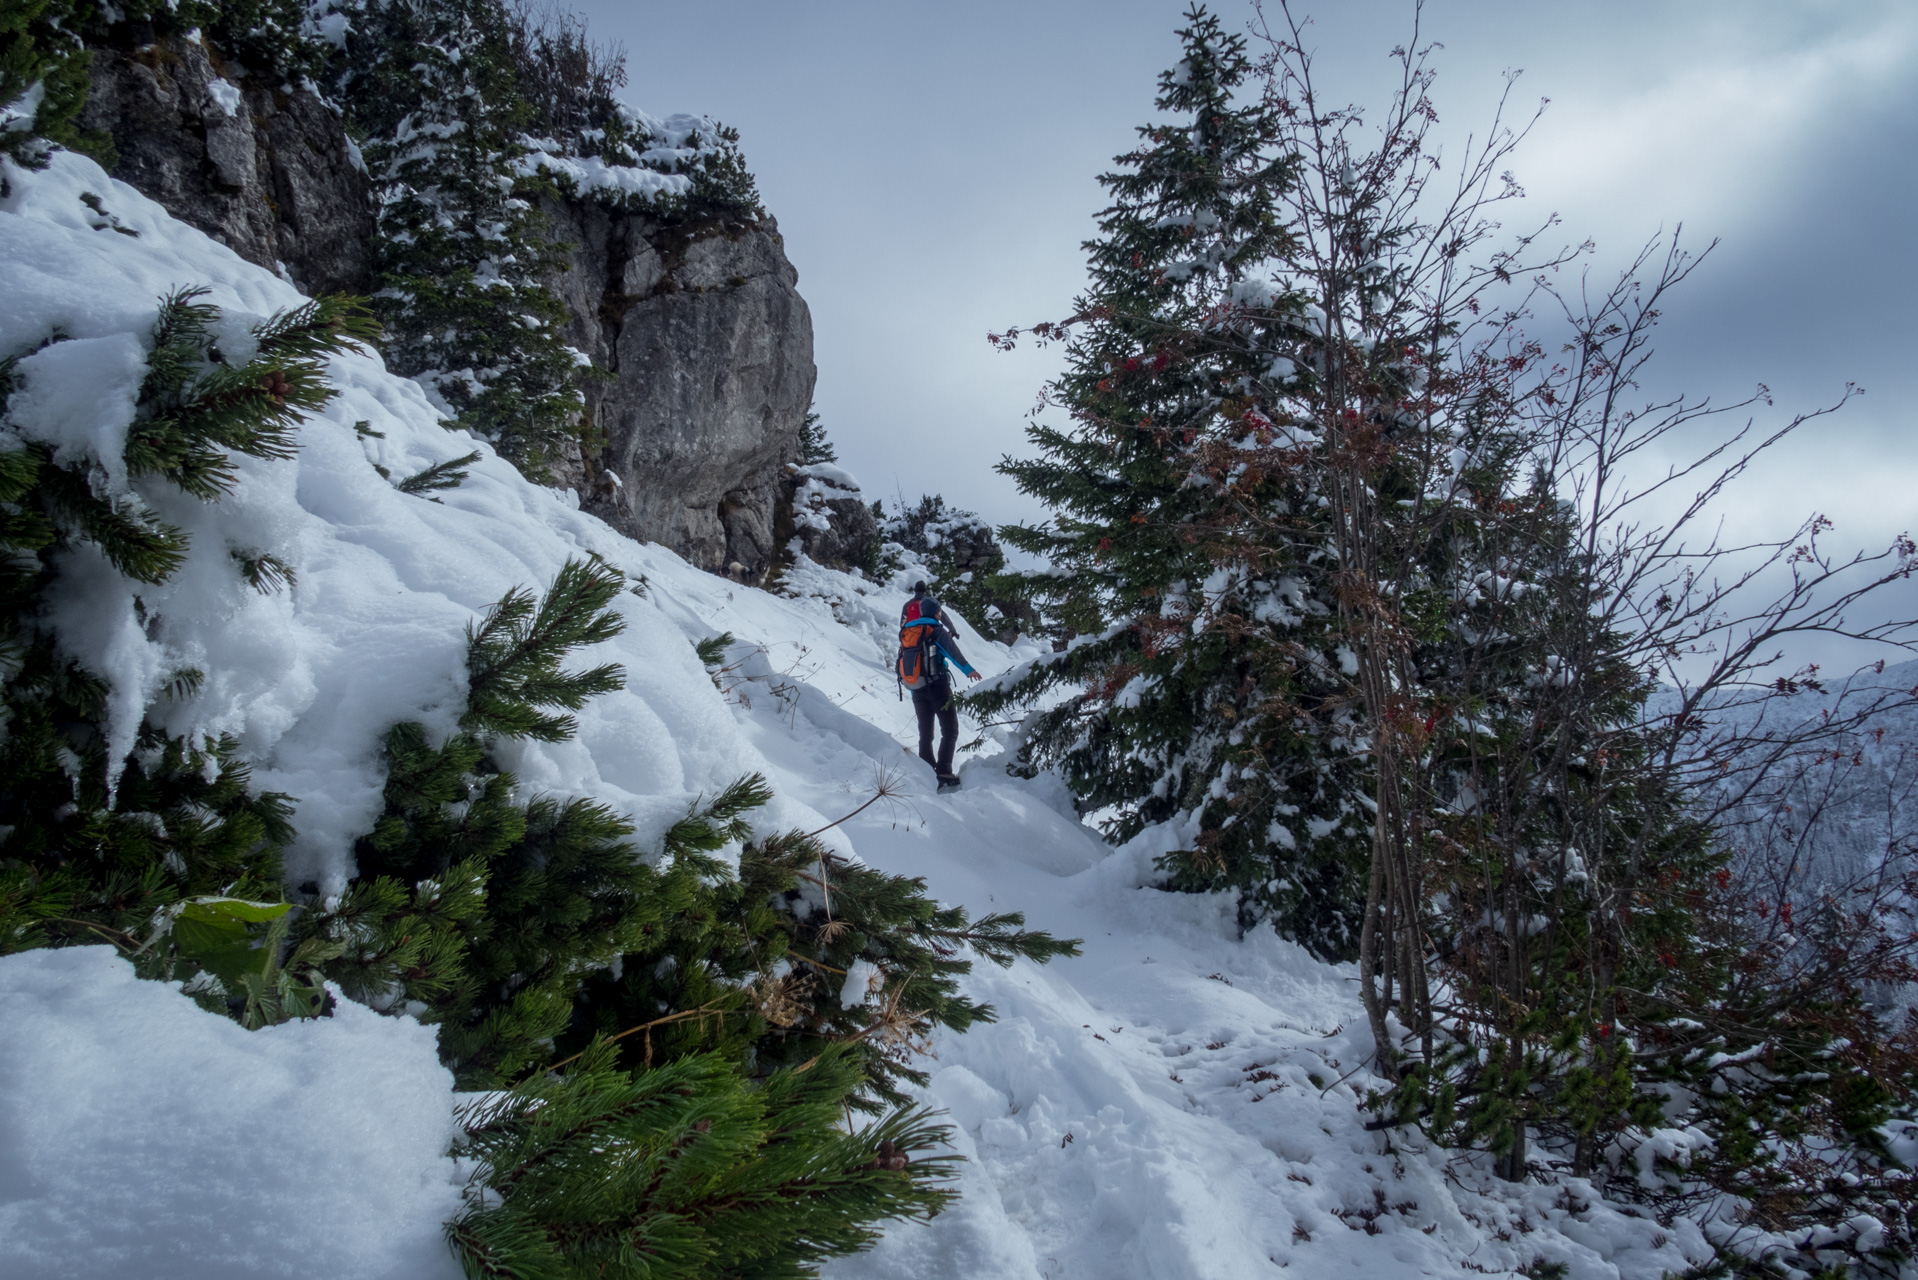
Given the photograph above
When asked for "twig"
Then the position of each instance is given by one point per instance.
(704, 1010)
(89, 924)
(882, 789)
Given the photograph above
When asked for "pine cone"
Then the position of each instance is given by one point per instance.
(890, 1157)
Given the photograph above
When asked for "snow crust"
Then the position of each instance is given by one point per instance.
(142, 1136)
(593, 175)
(1178, 1103)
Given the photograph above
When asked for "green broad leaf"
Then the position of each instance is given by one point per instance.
(222, 935)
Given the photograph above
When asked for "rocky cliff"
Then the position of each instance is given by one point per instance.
(699, 325)
(264, 169)
(710, 350)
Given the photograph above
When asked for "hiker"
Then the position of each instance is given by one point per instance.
(925, 646)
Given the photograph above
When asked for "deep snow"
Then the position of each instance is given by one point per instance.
(1177, 1103)
(140, 1136)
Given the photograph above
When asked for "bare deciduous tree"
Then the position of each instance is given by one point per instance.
(1570, 687)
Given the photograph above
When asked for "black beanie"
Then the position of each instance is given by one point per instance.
(919, 587)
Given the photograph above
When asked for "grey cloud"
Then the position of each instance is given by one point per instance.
(932, 167)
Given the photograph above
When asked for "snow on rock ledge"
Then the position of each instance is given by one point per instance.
(143, 1136)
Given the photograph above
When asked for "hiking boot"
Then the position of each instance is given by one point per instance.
(947, 781)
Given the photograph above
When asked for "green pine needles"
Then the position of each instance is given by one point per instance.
(803, 950)
(109, 826)
(196, 407)
(43, 81)
(685, 1170)
(513, 657)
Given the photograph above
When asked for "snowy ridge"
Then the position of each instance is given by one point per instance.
(1177, 1103)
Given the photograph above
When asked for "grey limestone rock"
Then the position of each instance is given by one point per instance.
(699, 324)
(710, 348)
(269, 171)
(825, 510)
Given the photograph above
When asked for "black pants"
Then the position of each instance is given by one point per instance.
(935, 700)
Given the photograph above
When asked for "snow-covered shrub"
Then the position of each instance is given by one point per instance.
(962, 561)
(113, 828)
(591, 145)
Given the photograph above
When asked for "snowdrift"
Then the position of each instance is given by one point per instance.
(1177, 1103)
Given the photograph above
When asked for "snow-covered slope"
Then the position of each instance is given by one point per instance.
(1176, 1103)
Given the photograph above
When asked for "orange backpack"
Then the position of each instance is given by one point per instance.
(915, 662)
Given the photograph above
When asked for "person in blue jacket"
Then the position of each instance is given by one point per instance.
(933, 700)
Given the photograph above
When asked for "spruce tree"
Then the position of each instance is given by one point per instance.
(1204, 663)
(813, 445)
(1557, 956)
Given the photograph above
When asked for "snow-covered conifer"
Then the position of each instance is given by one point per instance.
(43, 78)
(462, 254)
(1202, 705)
(107, 823)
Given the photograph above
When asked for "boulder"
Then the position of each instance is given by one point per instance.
(826, 512)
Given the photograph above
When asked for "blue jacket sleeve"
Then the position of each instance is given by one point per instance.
(950, 647)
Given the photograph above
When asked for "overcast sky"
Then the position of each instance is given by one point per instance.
(932, 168)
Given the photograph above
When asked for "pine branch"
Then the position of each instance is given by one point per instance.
(712, 650)
(265, 573)
(316, 329)
(131, 537)
(513, 656)
(441, 475)
(683, 1171)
